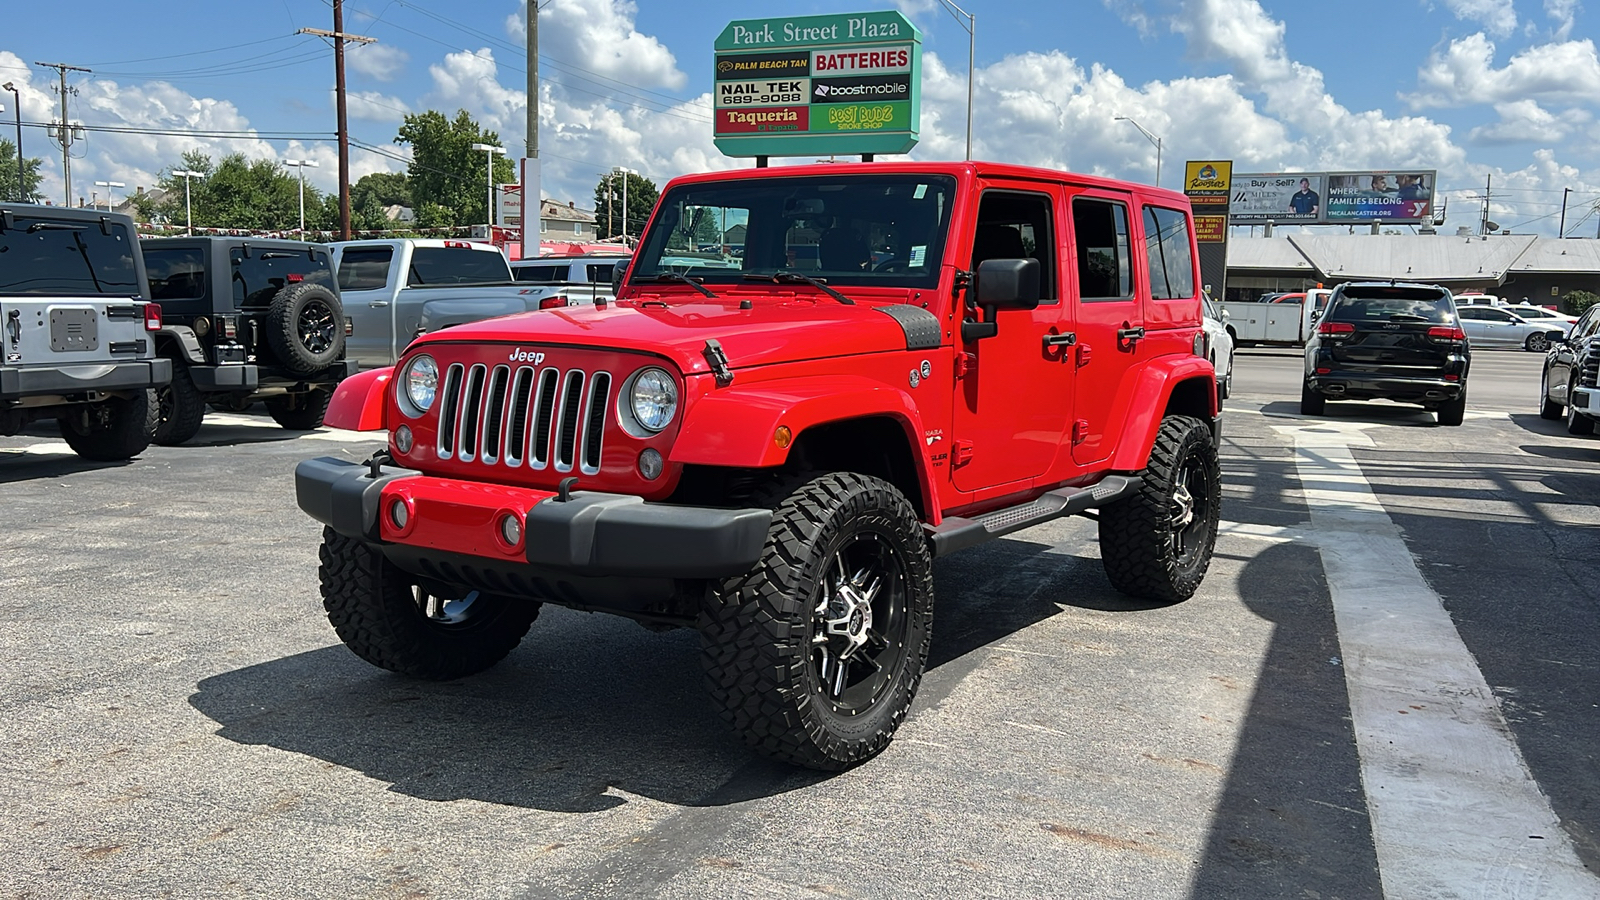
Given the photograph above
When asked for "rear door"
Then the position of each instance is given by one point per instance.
(364, 285)
(1108, 312)
(1559, 373)
(1388, 330)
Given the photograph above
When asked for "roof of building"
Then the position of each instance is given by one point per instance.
(1423, 257)
(550, 209)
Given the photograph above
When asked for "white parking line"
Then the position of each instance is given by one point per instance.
(1455, 811)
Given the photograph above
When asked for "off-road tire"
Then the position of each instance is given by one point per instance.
(1537, 343)
(299, 412)
(180, 408)
(118, 428)
(1453, 412)
(1548, 409)
(757, 629)
(1139, 535)
(1311, 402)
(1577, 423)
(373, 609)
(305, 327)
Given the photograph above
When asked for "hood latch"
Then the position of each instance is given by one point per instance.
(718, 361)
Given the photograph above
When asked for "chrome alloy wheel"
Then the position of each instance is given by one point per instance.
(859, 623)
(1189, 512)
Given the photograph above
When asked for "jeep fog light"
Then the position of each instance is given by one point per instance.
(650, 464)
(403, 439)
(420, 385)
(398, 514)
(654, 398)
(511, 530)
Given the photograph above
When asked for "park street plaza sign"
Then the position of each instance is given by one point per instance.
(838, 85)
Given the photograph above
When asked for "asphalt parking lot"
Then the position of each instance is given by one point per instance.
(181, 721)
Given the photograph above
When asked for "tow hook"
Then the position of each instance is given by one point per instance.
(377, 461)
(14, 326)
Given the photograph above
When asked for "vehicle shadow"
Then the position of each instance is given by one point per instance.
(1292, 818)
(1354, 411)
(25, 464)
(588, 709)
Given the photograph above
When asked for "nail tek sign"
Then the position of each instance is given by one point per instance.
(818, 85)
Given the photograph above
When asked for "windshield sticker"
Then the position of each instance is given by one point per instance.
(919, 255)
(920, 192)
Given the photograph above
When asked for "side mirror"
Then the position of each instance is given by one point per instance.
(1225, 314)
(1316, 314)
(1008, 283)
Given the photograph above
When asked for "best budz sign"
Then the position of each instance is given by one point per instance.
(818, 85)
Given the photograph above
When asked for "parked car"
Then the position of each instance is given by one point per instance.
(1495, 326)
(1389, 340)
(1477, 298)
(245, 319)
(1568, 383)
(394, 290)
(1219, 344)
(77, 329)
(574, 280)
(1542, 315)
(774, 457)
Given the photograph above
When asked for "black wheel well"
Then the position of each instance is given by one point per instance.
(1191, 397)
(875, 446)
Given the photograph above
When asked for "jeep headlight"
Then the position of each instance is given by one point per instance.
(654, 399)
(420, 385)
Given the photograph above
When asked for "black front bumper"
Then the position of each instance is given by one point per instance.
(17, 382)
(591, 534)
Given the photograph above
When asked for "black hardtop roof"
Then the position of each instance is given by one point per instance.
(1413, 285)
(265, 243)
(68, 213)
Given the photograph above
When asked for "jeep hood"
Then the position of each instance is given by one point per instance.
(774, 330)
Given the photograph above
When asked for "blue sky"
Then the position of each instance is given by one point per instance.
(1474, 88)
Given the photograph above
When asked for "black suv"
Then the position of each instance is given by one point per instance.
(246, 319)
(1571, 371)
(1388, 340)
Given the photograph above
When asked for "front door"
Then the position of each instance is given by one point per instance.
(1110, 319)
(1015, 399)
(365, 288)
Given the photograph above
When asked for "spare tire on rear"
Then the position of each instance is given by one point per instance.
(305, 327)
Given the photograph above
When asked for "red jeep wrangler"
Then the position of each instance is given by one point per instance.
(813, 381)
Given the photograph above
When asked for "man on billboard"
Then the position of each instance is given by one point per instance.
(1305, 201)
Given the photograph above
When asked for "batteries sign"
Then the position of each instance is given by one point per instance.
(818, 85)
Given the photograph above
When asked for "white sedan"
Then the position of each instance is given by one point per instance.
(1540, 315)
(1219, 344)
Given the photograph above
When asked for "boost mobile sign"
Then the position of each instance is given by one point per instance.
(818, 85)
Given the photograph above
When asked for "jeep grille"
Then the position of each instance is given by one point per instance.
(537, 417)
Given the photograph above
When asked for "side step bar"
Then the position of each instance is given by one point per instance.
(956, 533)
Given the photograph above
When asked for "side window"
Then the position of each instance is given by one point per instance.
(1168, 262)
(545, 274)
(1104, 269)
(1497, 315)
(1014, 225)
(601, 274)
(1467, 312)
(177, 273)
(364, 268)
(1586, 325)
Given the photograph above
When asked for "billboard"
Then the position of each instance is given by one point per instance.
(818, 85)
(1208, 183)
(1208, 180)
(1334, 198)
(1286, 197)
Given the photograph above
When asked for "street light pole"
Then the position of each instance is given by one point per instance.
(1149, 137)
(489, 151)
(108, 185)
(971, 26)
(301, 165)
(624, 172)
(188, 211)
(16, 97)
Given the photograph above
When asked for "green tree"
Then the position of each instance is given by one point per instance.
(236, 192)
(642, 194)
(8, 174)
(445, 171)
(388, 188)
(1578, 301)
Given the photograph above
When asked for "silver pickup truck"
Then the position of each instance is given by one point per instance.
(394, 290)
(76, 329)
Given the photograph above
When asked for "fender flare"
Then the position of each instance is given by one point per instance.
(358, 401)
(735, 426)
(1154, 383)
(184, 344)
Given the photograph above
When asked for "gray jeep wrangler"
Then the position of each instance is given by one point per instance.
(76, 329)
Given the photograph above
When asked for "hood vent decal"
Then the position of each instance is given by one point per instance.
(920, 326)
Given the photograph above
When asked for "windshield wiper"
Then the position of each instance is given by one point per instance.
(680, 278)
(56, 226)
(783, 276)
(1408, 317)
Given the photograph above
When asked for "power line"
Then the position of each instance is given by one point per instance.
(123, 62)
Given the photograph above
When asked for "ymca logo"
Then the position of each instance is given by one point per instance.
(521, 355)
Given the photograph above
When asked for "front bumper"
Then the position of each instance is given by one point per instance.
(17, 382)
(590, 534)
(1370, 386)
(1586, 401)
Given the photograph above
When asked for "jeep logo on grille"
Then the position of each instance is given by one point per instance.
(521, 355)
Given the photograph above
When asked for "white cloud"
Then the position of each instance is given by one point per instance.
(1498, 17)
(1520, 121)
(383, 62)
(1565, 15)
(1463, 73)
(599, 36)
(373, 106)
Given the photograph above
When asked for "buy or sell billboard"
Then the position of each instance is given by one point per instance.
(1331, 198)
(813, 85)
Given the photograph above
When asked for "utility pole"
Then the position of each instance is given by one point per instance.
(16, 96)
(338, 37)
(532, 189)
(1483, 221)
(1561, 232)
(64, 133)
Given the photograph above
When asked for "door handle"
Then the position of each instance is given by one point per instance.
(377, 303)
(1060, 340)
(1130, 334)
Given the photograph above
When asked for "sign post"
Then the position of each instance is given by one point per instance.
(1209, 185)
(836, 85)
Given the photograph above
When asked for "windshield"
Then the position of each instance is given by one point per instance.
(1381, 304)
(67, 256)
(848, 230)
(259, 273)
